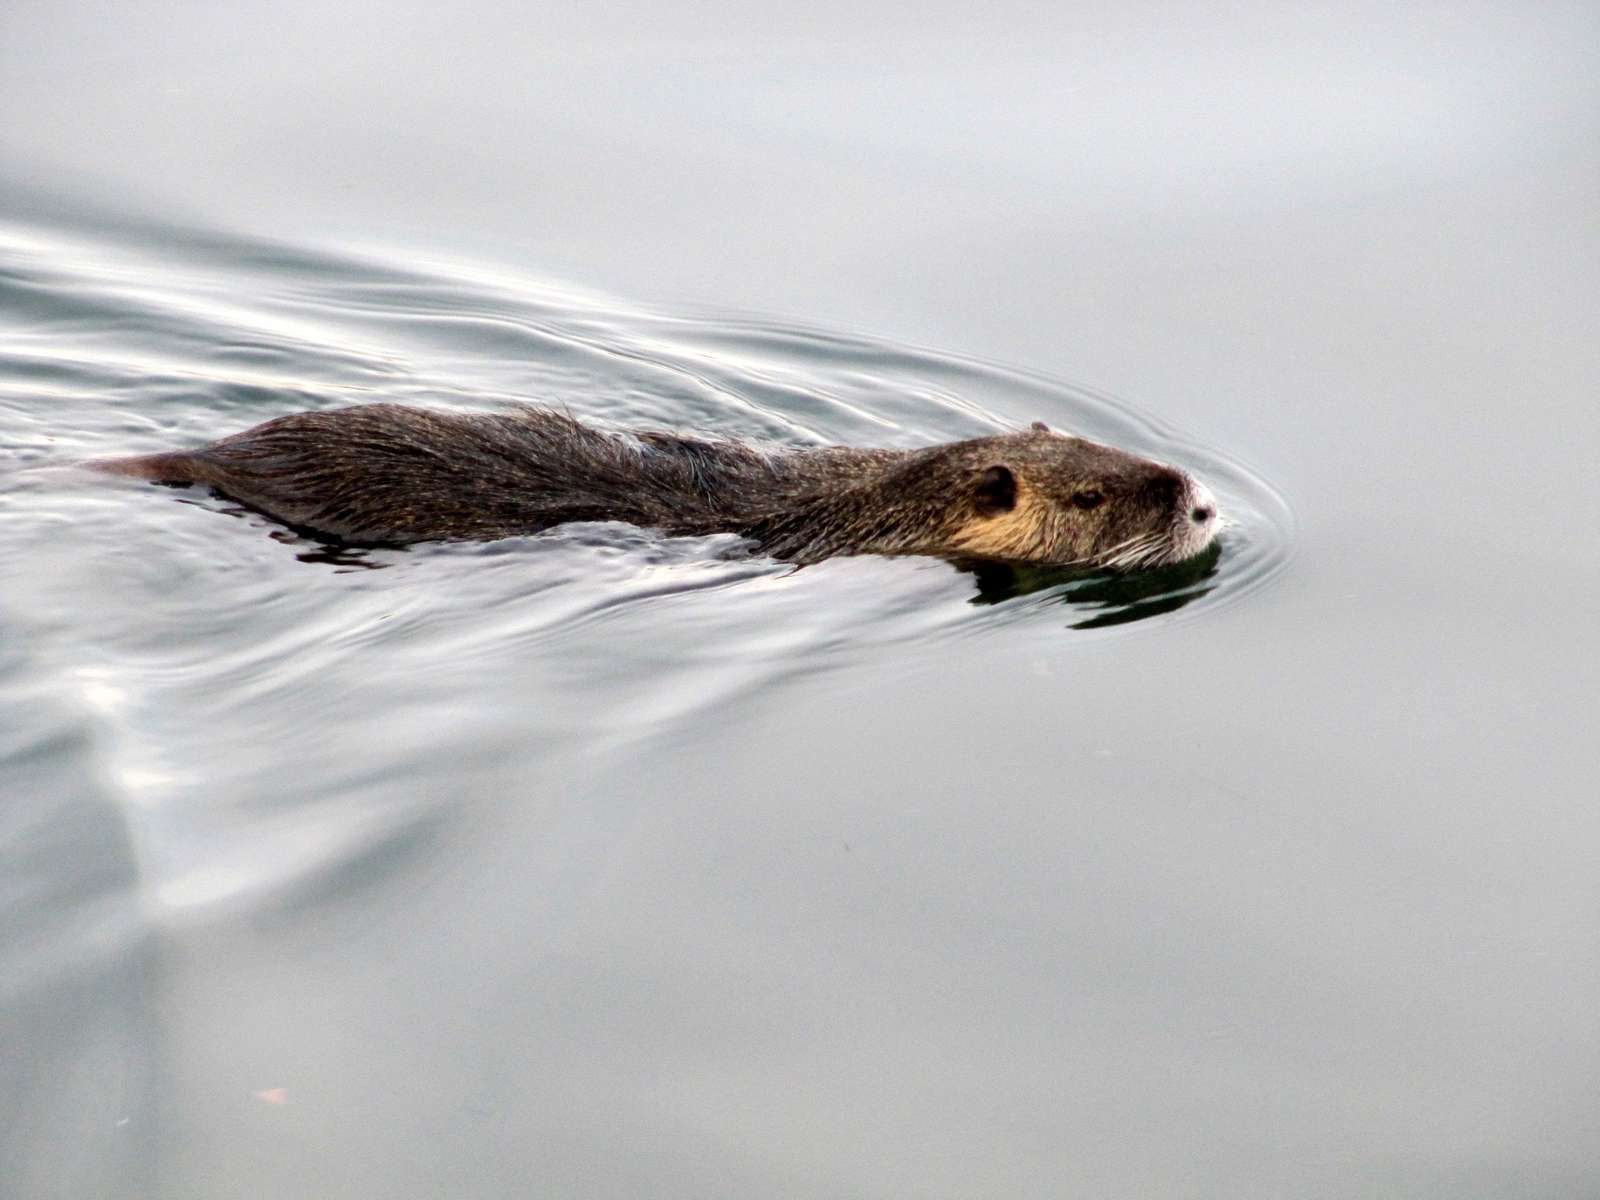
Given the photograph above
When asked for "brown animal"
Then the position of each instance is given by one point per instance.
(390, 474)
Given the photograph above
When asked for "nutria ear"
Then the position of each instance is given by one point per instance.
(997, 491)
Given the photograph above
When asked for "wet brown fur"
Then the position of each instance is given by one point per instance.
(391, 474)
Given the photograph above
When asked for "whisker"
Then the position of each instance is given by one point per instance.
(1136, 550)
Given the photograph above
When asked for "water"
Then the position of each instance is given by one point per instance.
(601, 864)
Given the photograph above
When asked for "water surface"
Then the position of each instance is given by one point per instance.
(601, 864)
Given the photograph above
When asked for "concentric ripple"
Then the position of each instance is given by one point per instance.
(211, 334)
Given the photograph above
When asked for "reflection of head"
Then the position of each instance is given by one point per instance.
(1110, 599)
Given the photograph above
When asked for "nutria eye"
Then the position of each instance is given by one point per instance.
(1087, 500)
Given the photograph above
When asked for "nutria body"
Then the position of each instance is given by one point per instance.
(391, 474)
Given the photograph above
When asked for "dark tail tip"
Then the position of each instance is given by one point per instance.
(158, 468)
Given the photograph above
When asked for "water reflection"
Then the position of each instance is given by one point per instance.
(1116, 598)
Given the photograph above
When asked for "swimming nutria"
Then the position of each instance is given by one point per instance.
(390, 474)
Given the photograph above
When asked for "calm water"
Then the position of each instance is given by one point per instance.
(600, 864)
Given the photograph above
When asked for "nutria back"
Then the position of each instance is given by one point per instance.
(394, 474)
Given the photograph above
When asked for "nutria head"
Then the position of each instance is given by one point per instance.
(1045, 497)
(1035, 496)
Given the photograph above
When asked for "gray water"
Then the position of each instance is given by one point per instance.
(598, 864)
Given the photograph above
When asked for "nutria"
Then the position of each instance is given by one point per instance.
(387, 474)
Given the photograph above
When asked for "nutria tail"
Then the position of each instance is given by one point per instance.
(177, 467)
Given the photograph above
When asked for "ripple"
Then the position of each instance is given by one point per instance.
(270, 689)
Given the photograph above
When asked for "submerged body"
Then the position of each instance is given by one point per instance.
(393, 474)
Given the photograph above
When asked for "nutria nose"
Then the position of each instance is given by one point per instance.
(1202, 515)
